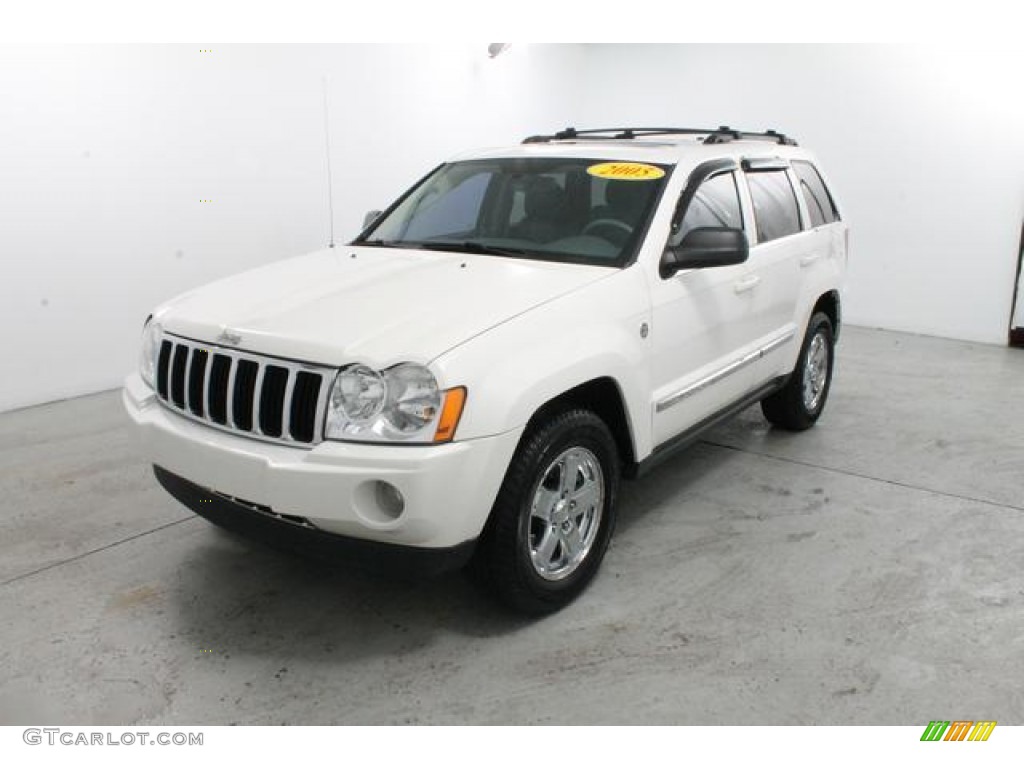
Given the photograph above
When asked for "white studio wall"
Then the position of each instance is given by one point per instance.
(924, 145)
(108, 155)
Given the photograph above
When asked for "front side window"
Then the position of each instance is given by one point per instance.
(716, 203)
(555, 209)
(776, 211)
(820, 205)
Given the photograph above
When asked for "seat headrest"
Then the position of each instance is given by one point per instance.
(543, 198)
(626, 197)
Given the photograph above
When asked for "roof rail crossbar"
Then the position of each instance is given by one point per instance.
(720, 135)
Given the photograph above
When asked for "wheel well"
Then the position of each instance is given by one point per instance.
(602, 396)
(829, 304)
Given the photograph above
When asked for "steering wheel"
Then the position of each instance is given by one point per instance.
(619, 230)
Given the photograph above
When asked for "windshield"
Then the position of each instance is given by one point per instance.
(555, 209)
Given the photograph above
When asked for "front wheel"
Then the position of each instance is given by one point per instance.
(800, 402)
(554, 514)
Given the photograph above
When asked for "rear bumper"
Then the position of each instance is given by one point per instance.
(281, 533)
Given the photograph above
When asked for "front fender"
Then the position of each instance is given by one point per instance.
(515, 368)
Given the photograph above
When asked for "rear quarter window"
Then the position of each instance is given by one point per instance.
(820, 205)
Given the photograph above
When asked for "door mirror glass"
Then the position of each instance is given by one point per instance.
(706, 247)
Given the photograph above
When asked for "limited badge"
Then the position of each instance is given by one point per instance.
(626, 171)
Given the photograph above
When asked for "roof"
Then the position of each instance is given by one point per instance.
(653, 145)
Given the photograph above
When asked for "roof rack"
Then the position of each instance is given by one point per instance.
(721, 135)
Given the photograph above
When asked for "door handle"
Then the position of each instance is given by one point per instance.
(746, 284)
(806, 261)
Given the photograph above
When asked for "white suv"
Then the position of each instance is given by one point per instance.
(470, 377)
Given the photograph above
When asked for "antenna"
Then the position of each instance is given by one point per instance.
(330, 176)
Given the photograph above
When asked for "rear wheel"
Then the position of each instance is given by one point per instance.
(798, 405)
(554, 514)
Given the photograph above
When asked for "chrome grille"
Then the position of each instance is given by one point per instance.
(269, 398)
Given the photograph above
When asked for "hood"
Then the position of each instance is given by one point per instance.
(370, 305)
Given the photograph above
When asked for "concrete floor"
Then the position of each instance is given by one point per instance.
(868, 571)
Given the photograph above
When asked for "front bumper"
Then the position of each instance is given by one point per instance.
(282, 533)
(448, 489)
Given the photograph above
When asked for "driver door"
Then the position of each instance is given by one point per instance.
(702, 321)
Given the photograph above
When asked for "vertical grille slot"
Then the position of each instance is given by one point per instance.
(303, 407)
(218, 394)
(245, 390)
(196, 379)
(163, 368)
(178, 365)
(267, 397)
(275, 381)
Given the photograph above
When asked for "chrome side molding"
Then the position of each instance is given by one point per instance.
(721, 373)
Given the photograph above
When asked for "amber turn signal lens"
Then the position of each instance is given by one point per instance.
(451, 412)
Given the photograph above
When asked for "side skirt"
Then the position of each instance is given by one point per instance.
(688, 437)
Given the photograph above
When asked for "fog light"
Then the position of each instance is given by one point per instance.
(389, 499)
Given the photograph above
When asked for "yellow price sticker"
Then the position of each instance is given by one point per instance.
(626, 171)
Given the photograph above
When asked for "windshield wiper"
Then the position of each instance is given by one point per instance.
(475, 246)
(389, 243)
(462, 246)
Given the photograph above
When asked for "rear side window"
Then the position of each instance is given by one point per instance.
(819, 200)
(716, 204)
(776, 212)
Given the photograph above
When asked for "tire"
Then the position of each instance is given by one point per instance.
(549, 528)
(799, 403)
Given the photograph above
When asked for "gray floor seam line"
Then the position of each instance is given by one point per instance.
(708, 442)
(112, 544)
(861, 475)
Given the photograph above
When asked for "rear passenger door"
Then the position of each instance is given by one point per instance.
(779, 247)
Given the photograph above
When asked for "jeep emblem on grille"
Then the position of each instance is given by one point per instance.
(228, 337)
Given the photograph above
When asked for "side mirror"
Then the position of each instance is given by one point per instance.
(370, 217)
(706, 247)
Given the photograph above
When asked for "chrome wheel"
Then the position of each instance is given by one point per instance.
(815, 372)
(565, 514)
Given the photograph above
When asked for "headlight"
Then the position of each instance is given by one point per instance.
(151, 338)
(358, 394)
(402, 404)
